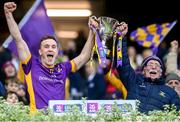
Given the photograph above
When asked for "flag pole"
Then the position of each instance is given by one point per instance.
(173, 24)
(155, 49)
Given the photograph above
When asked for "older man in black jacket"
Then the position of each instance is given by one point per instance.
(149, 87)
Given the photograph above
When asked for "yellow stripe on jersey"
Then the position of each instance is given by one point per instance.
(67, 85)
(31, 93)
(20, 73)
(27, 60)
(73, 65)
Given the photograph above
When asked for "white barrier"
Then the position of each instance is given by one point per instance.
(91, 107)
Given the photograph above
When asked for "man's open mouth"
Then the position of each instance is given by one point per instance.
(153, 72)
(50, 55)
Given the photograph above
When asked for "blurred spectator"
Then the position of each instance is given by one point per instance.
(115, 87)
(146, 53)
(173, 81)
(139, 59)
(12, 84)
(172, 58)
(2, 90)
(8, 70)
(95, 82)
(75, 79)
(111, 91)
(162, 50)
(22, 94)
(12, 98)
(76, 85)
(132, 56)
(80, 41)
(5, 55)
(71, 49)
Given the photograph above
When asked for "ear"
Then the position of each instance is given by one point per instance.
(160, 72)
(143, 71)
(40, 53)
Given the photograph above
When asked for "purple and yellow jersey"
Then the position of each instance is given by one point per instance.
(44, 83)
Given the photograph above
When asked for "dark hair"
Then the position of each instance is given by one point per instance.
(12, 80)
(49, 37)
(11, 92)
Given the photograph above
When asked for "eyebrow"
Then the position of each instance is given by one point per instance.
(154, 63)
(50, 44)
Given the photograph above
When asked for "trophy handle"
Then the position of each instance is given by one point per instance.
(93, 25)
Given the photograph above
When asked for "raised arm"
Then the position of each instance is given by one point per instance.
(171, 63)
(126, 72)
(22, 47)
(87, 49)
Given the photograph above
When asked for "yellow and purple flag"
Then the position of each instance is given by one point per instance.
(152, 35)
(34, 25)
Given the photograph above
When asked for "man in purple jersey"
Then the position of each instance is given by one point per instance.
(45, 80)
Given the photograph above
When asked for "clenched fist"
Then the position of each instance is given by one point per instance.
(123, 28)
(174, 46)
(93, 22)
(9, 7)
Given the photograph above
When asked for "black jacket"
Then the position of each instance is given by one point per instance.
(153, 95)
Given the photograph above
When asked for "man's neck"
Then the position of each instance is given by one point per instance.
(47, 66)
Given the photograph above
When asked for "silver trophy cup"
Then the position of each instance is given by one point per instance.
(107, 29)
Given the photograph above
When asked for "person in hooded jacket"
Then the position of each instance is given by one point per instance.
(149, 86)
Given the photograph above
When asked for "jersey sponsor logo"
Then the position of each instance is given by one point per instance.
(43, 78)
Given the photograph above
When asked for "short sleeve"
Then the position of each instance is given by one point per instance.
(66, 67)
(27, 64)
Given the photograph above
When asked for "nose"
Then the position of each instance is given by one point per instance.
(13, 100)
(50, 50)
(173, 85)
